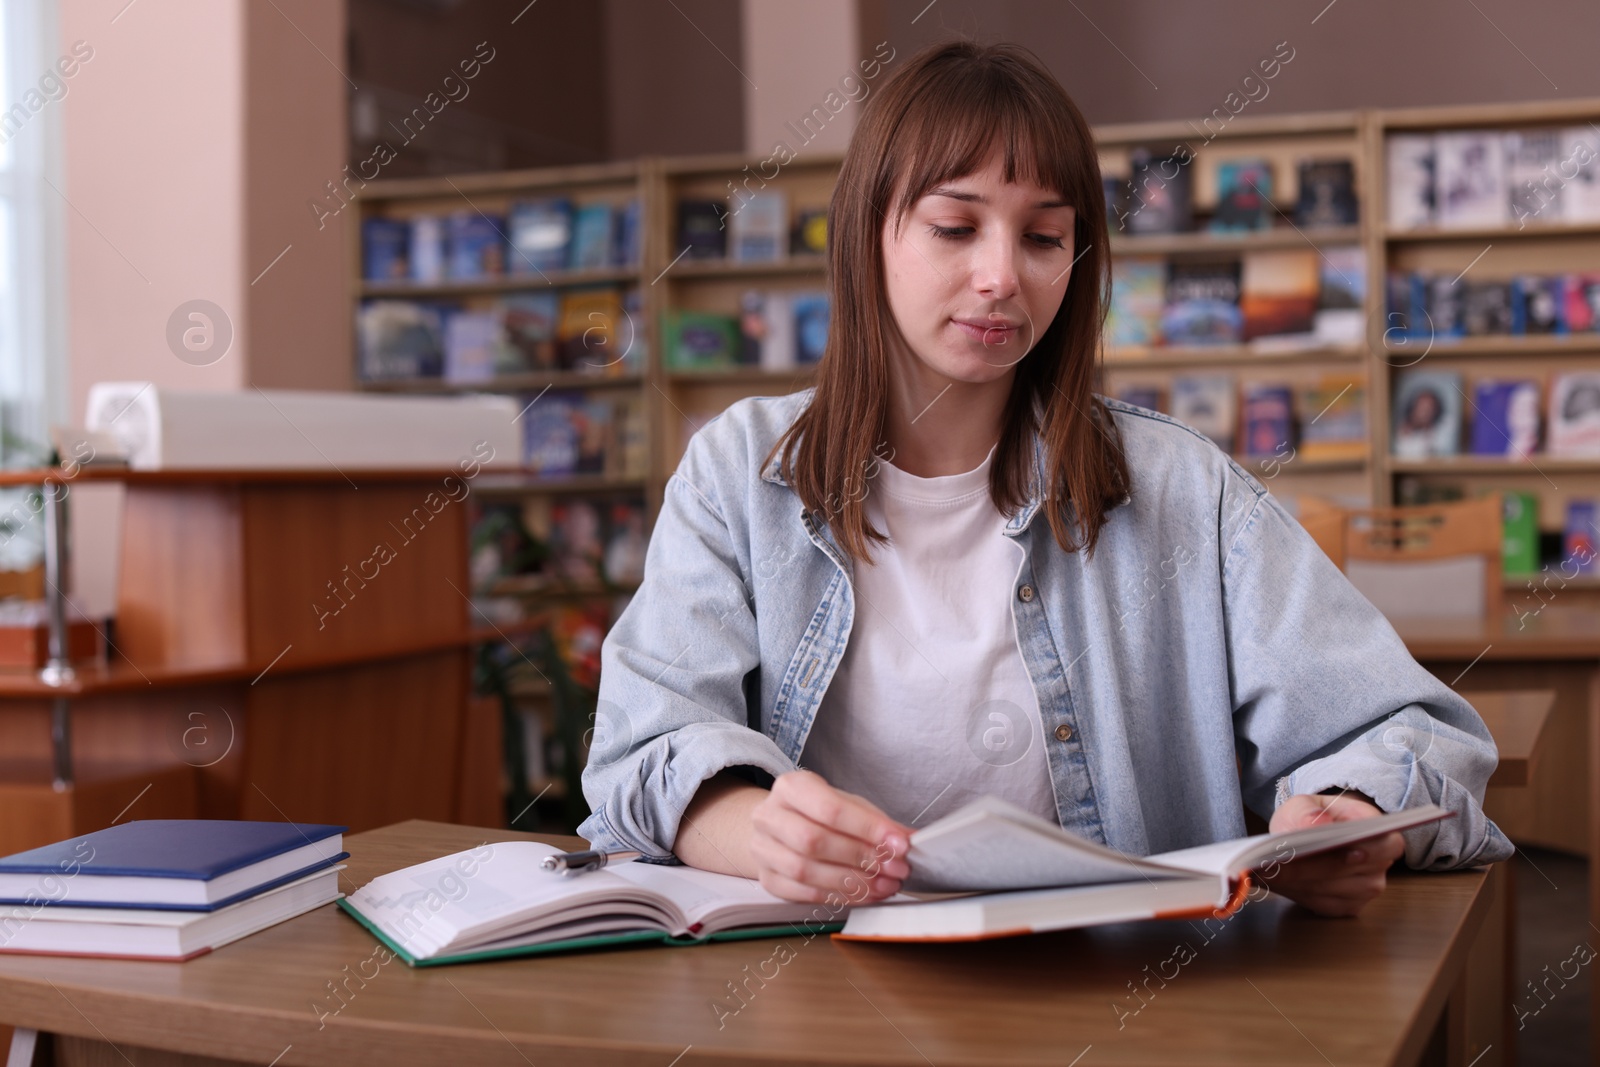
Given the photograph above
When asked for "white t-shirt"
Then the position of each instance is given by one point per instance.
(931, 705)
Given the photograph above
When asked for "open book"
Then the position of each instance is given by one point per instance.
(495, 900)
(1027, 875)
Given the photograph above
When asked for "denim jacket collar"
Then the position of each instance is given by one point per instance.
(1018, 522)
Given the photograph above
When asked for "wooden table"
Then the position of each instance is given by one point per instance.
(1558, 648)
(1517, 722)
(1272, 984)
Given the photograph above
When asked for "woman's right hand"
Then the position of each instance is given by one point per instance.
(810, 840)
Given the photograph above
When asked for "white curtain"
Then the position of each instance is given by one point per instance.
(32, 319)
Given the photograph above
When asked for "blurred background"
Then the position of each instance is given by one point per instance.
(1357, 243)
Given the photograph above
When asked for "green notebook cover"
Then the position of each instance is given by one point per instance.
(578, 944)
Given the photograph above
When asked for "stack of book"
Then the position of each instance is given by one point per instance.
(167, 889)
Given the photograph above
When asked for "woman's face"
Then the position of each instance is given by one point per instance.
(977, 272)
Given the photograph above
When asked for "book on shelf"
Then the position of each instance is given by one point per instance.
(540, 233)
(1534, 187)
(1406, 300)
(1575, 414)
(593, 237)
(702, 229)
(1206, 402)
(1278, 293)
(1028, 875)
(529, 321)
(165, 888)
(1268, 420)
(1580, 305)
(1579, 535)
(577, 542)
(1537, 303)
(1202, 303)
(759, 228)
(476, 249)
(766, 329)
(626, 542)
(472, 346)
(385, 249)
(1444, 306)
(1327, 194)
(1519, 540)
(1138, 295)
(1333, 412)
(427, 249)
(589, 331)
(1486, 307)
(699, 340)
(1505, 419)
(1580, 169)
(811, 314)
(1427, 414)
(1244, 196)
(399, 339)
(568, 432)
(628, 233)
(810, 237)
(1410, 163)
(1340, 317)
(1161, 194)
(1118, 193)
(1470, 179)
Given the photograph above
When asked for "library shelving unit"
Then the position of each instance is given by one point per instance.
(526, 683)
(686, 398)
(1542, 246)
(1283, 141)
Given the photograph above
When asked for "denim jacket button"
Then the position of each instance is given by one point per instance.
(1063, 732)
(1025, 594)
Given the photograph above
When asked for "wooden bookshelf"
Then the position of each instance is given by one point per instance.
(1283, 141)
(1543, 246)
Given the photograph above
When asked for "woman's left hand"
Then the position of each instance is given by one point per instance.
(1336, 883)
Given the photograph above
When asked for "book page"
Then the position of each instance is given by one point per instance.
(1247, 853)
(992, 845)
(716, 901)
(492, 891)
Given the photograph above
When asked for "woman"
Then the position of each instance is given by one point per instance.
(949, 569)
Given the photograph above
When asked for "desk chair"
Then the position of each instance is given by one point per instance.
(1435, 561)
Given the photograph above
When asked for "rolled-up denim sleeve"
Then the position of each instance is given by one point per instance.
(672, 707)
(1326, 696)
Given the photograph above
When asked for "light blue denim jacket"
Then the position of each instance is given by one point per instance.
(1207, 625)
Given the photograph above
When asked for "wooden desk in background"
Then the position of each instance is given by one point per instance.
(1272, 984)
(1557, 649)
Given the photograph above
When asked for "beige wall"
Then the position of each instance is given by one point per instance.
(1179, 60)
(153, 154)
(794, 56)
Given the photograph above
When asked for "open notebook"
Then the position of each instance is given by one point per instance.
(1030, 875)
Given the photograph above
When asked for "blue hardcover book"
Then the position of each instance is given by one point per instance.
(476, 247)
(625, 252)
(540, 232)
(385, 247)
(591, 237)
(550, 437)
(171, 864)
(810, 326)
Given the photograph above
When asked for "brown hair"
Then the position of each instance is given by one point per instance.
(935, 120)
